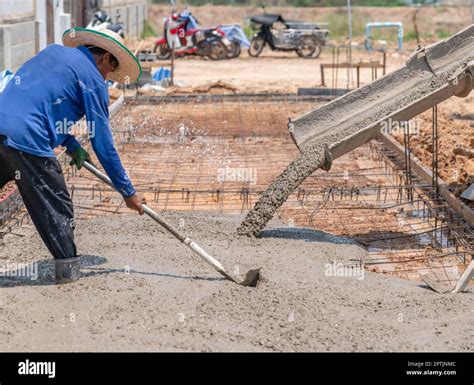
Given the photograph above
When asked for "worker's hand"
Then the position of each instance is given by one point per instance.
(79, 157)
(136, 202)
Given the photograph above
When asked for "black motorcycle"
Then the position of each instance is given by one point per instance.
(306, 39)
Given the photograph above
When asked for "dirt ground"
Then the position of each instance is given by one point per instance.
(276, 72)
(455, 143)
(6, 190)
(142, 291)
(285, 71)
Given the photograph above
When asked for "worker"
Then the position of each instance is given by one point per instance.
(38, 108)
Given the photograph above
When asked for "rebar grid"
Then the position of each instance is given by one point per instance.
(173, 153)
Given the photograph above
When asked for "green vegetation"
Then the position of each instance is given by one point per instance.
(443, 34)
(439, 34)
(249, 32)
(293, 3)
(338, 24)
(147, 30)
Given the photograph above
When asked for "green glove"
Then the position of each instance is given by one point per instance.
(79, 157)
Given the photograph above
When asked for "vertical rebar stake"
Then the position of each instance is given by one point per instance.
(434, 161)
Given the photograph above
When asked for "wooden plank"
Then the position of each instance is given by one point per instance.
(155, 64)
(465, 278)
(353, 65)
(434, 284)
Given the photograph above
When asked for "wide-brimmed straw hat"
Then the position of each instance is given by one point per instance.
(128, 70)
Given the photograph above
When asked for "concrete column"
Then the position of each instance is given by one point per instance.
(5, 48)
(41, 39)
(62, 21)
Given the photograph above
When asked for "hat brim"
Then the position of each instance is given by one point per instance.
(128, 70)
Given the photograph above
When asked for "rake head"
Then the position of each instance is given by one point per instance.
(251, 278)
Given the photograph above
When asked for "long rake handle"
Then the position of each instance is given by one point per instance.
(153, 215)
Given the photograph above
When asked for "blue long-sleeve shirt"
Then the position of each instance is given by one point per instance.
(51, 92)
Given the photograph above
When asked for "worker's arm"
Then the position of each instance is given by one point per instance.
(95, 103)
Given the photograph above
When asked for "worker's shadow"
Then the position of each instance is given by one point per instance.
(43, 273)
(100, 271)
(307, 235)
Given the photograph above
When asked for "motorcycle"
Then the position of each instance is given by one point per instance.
(181, 32)
(305, 38)
(101, 19)
(237, 39)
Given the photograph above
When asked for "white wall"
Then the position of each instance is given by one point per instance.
(13, 9)
(62, 21)
(132, 12)
(40, 25)
(23, 29)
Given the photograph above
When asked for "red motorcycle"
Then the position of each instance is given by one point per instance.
(181, 33)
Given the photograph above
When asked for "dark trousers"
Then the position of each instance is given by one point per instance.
(44, 192)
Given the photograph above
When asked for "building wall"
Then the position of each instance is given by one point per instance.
(78, 10)
(132, 12)
(13, 11)
(27, 26)
(17, 32)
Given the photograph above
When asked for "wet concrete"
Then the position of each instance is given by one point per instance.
(141, 290)
(281, 188)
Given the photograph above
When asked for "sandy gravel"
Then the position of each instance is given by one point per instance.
(142, 291)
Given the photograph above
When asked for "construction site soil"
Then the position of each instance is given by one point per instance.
(455, 142)
(141, 291)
